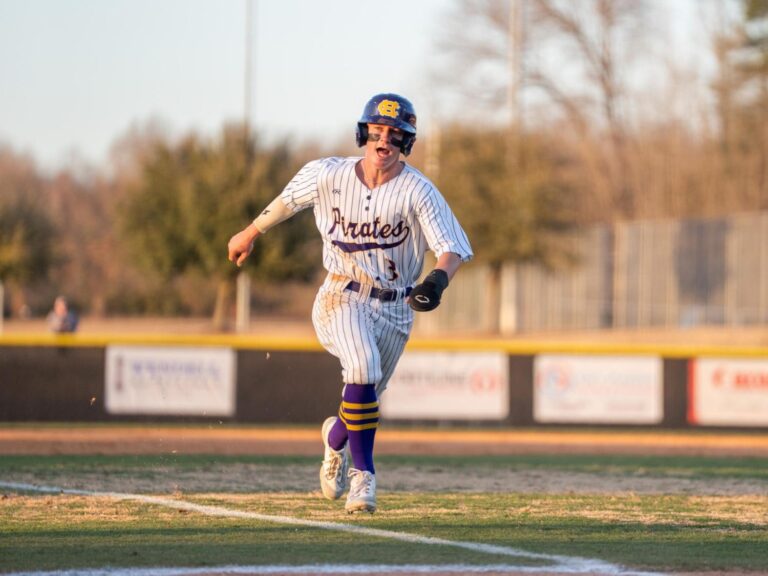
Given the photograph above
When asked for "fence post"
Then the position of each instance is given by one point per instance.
(508, 315)
(243, 306)
(762, 264)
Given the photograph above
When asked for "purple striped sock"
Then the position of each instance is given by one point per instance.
(337, 437)
(360, 411)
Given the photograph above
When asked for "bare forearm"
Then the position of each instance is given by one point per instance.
(449, 262)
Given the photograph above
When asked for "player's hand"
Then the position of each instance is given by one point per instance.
(426, 296)
(240, 245)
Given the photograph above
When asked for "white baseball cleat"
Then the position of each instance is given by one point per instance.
(333, 472)
(362, 492)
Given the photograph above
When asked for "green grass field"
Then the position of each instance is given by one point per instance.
(661, 514)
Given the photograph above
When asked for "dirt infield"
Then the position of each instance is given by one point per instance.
(136, 439)
(400, 476)
(147, 439)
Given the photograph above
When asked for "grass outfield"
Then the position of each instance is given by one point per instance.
(663, 513)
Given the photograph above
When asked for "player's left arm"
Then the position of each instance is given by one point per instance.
(449, 263)
(426, 296)
(446, 237)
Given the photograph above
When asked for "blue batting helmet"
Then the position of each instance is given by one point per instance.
(389, 110)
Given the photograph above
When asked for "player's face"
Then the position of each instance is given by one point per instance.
(383, 147)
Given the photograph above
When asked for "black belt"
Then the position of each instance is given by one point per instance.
(383, 294)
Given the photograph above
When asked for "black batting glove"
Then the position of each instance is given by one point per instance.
(426, 296)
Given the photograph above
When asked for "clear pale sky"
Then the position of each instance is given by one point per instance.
(76, 74)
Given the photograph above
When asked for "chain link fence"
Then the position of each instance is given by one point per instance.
(632, 274)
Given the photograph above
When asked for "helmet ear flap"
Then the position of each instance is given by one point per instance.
(408, 141)
(361, 134)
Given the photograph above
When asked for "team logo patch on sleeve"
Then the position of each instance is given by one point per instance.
(388, 108)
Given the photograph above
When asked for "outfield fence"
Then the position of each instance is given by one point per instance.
(668, 273)
(83, 378)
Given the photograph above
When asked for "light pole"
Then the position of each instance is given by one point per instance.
(249, 10)
(243, 292)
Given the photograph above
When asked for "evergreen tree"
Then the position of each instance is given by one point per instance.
(190, 198)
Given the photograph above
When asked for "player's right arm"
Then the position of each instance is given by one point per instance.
(241, 244)
(299, 193)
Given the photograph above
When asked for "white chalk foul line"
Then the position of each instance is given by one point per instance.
(559, 563)
(308, 570)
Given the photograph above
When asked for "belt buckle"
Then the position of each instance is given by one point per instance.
(387, 294)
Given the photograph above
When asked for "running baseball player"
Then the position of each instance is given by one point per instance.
(377, 216)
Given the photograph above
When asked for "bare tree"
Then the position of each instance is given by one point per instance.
(497, 51)
(576, 54)
(27, 234)
(593, 40)
(739, 48)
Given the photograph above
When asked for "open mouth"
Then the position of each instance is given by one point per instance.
(383, 151)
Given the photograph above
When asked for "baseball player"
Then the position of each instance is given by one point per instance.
(377, 216)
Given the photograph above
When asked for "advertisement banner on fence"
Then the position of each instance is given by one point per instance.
(170, 381)
(597, 389)
(448, 386)
(728, 392)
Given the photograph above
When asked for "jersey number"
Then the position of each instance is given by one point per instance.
(393, 269)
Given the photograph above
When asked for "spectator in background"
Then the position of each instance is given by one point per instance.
(61, 319)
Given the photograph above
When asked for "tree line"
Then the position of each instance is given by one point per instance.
(540, 131)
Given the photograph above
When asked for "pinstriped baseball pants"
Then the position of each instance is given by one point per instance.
(366, 335)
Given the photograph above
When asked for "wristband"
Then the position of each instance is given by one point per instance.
(439, 278)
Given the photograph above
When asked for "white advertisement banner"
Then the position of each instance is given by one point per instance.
(598, 389)
(448, 386)
(171, 381)
(728, 392)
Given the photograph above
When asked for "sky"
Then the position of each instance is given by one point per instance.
(77, 74)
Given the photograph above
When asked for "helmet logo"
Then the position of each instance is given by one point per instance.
(388, 108)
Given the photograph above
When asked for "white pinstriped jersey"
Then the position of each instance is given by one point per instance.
(375, 236)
